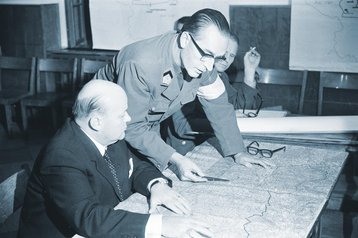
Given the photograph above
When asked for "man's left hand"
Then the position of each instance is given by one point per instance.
(162, 194)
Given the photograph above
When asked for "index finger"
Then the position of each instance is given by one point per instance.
(202, 228)
(195, 177)
(179, 207)
(265, 163)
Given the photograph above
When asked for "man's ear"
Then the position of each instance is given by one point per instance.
(95, 123)
(184, 39)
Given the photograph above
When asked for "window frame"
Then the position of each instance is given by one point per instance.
(78, 24)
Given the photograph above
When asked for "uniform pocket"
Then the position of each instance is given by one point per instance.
(157, 110)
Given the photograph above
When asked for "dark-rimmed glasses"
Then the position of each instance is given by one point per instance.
(264, 152)
(205, 56)
(252, 114)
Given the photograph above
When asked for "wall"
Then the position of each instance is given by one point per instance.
(62, 14)
(264, 24)
(36, 29)
(268, 29)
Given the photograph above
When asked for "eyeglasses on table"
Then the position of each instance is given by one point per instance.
(254, 150)
(252, 114)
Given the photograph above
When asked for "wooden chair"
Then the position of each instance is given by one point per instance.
(335, 81)
(87, 70)
(12, 194)
(281, 77)
(54, 81)
(17, 81)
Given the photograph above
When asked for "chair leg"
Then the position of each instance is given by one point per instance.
(9, 123)
(23, 117)
(54, 118)
(64, 112)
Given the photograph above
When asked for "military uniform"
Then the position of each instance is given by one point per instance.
(191, 117)
(156, 88)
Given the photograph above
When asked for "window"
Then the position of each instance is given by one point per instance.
(78, 24)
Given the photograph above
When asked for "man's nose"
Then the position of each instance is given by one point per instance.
(128, 118)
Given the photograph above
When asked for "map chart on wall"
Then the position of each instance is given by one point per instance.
(116, 23)
(324, 35)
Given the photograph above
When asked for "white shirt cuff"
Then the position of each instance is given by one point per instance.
(153, 229)
(161, 180)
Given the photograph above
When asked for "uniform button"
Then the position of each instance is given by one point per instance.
(183, 142)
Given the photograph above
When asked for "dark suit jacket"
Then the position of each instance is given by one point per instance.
(71, 189)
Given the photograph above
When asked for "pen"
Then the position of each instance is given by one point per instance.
(209, 178)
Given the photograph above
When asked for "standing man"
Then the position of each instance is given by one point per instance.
(163, 73)
(177, 129)
(86, 170)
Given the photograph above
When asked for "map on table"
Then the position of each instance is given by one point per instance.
(284, 201)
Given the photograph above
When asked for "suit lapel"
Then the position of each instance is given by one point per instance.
(96, 157)
(103, 169)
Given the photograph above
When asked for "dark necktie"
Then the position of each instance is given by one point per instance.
(114, 173)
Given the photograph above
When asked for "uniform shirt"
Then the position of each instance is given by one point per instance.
(156, 88)
(191, 117)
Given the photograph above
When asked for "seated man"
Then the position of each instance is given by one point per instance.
(191, 117)
(86, 170)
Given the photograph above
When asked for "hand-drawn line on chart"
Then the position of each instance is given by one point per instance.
(348, 57)
(349, 8)
(153, 5)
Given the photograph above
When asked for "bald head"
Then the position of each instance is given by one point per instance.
(101, 111)
(94, 97)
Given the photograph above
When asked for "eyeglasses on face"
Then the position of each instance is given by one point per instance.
(264, 152)
(252, 114)
(205, 57)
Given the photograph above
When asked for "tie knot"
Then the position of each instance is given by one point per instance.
(105, 155)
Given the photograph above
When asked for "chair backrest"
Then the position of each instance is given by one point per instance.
(88, 68)
(55, 74)
(337, 81)
(12, 192)
(282, 77)
(17, 68)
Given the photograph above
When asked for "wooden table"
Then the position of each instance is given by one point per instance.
(285, 201)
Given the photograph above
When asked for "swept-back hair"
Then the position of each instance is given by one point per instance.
(182, 21)
(204, 18)
(84, 106)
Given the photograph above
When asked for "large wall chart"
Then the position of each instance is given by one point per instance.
(116, 23)
(324, 35)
